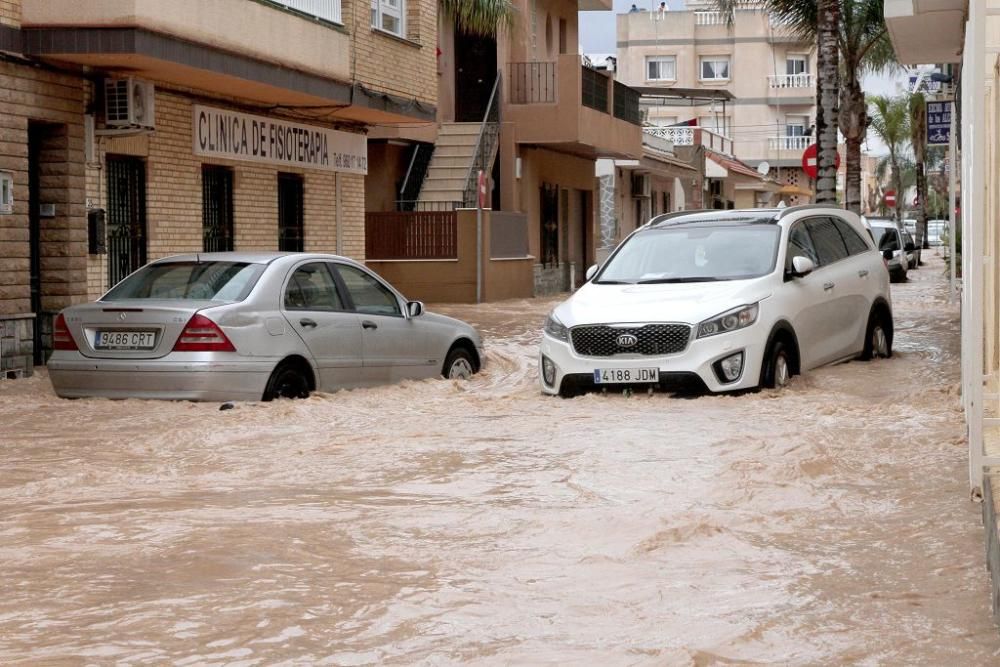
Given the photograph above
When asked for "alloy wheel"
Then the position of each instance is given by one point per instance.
(460, 369)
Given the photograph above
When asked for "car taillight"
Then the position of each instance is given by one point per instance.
(202, 335)
(62, 339)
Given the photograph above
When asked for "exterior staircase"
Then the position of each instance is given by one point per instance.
(446, 179)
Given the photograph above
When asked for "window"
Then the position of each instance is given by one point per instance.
(217, 208)
(388, 15)
(312, 287)
(796, 64)
(796, 126)
(827, 240)
(715, 68)
(199, 281)
(855, 244)
(291, 227)
(661, 68)
(369, 295)
(799, 245)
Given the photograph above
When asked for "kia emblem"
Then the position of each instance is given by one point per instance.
(627, 340)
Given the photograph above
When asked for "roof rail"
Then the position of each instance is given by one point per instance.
(787, 211)
(663, 217)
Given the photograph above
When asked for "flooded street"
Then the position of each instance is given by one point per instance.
(446, 522)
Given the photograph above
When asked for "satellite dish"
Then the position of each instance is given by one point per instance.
(764, 168)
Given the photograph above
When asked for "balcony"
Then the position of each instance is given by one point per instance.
(286, 52)
(791, 89)
(795, 144)
(572, 108)
(709, 18)
(791, 81)
(693, 136)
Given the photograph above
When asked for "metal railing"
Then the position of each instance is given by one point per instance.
(693, 136)
(804, 80)
(793, 143)
(532, 82)
(411, 235)
(486, 144)
(627, 104)
(426, 206)
(326, 10)
(594, 89)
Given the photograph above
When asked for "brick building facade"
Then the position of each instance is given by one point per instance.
(95, 199)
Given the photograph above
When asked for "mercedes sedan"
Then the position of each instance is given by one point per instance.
(724, 301)
(252, 326)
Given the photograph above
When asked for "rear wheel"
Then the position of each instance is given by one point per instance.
(878, 337)
(778, 368)
(287, 381)
(458, 365)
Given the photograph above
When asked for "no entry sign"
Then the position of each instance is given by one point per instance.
(810, 161)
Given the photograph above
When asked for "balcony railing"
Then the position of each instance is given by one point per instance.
(693, 136)
(327, 10)
(709, 18)
(791, 80)
(789, 143)
(678, 136)
(627, 104)
(411, 235)
(532, 83)
(595, 90)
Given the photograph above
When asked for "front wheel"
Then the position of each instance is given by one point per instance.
(878, 337)
(458, 365)
(778, 367)
(287, 381)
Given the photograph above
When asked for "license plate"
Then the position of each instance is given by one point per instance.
(125, 340)
(625, 375)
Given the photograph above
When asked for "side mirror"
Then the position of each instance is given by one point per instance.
(909, 247)
(802, 266)
(415, 308)
(591, 271)
(887, 254)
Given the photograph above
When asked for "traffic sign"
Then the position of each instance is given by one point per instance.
(810, 161)
(890, 198)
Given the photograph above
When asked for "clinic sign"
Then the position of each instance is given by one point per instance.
(231, 135)
(938, 123)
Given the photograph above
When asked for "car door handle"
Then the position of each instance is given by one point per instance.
(863, 273)
(307, 323)
(368, 324)
(828, 286)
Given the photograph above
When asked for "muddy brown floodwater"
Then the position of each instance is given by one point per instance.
(446, 522)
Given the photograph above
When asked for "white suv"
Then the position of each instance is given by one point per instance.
(723, 300)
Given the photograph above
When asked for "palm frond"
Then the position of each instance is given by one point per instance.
(480, 17)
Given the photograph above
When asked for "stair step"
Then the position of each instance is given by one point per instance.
(460, 128)
(438, 171)
(451, 161)
(467, 141)
(454, 151)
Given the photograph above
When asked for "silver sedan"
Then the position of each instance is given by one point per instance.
(251, 326)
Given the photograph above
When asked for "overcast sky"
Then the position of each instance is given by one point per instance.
(597, 35)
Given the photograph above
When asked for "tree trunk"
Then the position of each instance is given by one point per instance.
(854, 126)
(922, 197)
(827, 100)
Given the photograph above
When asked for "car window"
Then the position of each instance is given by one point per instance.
(312, 287)
(827, 240)
(369, 295)
(799, 245)
(855, 244)
(200, 281)
(888, 238)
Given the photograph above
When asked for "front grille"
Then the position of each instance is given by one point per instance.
(651, 339)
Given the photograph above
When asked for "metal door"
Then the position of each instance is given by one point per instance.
(217, 208)
(126, 216)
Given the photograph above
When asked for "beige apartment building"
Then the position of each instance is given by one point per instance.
(526, 109)
(764, 78)
(135, 129)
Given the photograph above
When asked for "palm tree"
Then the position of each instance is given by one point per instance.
(890, 120)
(864, 47)
(480, 17)
(918, 142)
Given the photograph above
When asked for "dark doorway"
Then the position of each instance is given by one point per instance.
(126, 216)
(291, 220)
(549, 220)
(475, 74)
(217, 208)
(36, 135)
(586, 235)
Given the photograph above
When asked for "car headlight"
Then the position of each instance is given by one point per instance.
(738, 318)
(555, 328)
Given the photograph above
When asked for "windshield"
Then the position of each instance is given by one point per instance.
(196, 281)
(886, 238)
(694, 254)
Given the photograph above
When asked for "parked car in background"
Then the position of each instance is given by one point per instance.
(890, 243)
(251, 326)
(937, 230)
(723, 300)
(912, 252)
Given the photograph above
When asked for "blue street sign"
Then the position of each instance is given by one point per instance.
(938, 123)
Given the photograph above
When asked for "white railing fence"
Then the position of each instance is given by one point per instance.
(678, 136)
(791, 80)
(328, 10)
(790, 143)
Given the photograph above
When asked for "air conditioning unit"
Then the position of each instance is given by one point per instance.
(129, 103)
(641, 186)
